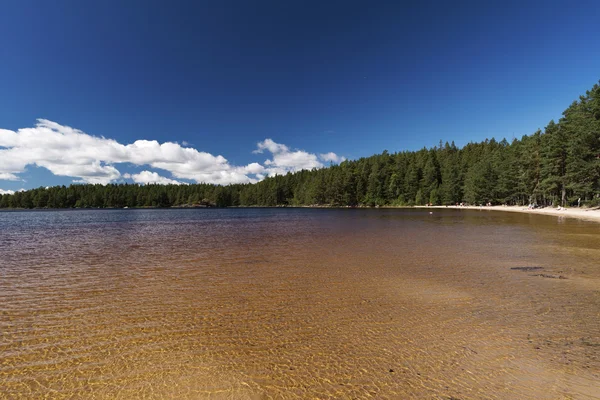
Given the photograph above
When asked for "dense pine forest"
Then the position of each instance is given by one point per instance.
(555, 167)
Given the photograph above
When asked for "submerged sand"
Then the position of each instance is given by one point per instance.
(297, 304)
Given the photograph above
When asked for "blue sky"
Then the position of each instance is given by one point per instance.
(352, 78)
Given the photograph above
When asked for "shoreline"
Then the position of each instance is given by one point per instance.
(589, 214)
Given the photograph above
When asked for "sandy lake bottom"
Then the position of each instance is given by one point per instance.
(284, 304)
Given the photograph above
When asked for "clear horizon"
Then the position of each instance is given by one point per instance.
(149, 92)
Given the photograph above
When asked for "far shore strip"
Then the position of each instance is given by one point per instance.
(581, 213)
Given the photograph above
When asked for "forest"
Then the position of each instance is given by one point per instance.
(556, 166)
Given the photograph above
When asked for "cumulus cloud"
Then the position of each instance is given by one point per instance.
(254, 168)
(7, 176)
(270, 145)
(286, 160)
(10, 191)
(66, 151)
(146, 177)
(331, 157)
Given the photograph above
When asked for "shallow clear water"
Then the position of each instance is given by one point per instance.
(298, 303)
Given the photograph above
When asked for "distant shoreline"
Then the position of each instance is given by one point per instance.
(590, 214)
(580, 213)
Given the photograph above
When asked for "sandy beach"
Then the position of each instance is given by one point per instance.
(581, 213)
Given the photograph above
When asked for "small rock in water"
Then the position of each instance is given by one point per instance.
(527, 268)
(551, 276)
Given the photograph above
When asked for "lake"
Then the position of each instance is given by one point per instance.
(298, 303)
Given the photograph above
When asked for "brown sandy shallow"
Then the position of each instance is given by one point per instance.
(373, 304)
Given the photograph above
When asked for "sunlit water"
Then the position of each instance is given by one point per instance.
(281, 303)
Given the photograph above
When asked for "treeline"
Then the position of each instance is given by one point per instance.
(555, 167)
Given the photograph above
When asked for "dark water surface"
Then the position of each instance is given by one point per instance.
(298, 303)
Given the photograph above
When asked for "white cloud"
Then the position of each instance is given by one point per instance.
(254, 168)
(285, 160)
(270, 145)
(331, 157)
(7, 176)
(10, 191)
(66, 151)
(146, 177)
